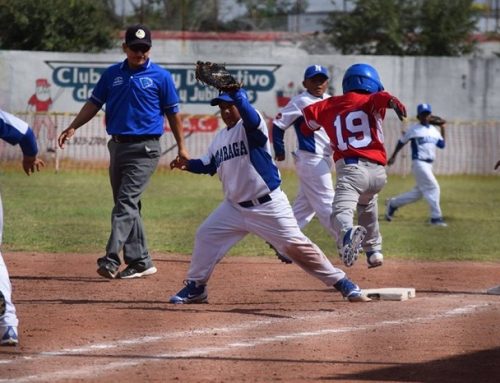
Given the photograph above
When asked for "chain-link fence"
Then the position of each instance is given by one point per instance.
(472, 147)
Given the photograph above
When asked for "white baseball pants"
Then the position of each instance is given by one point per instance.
(9, 318)
(315, 196)
(272, 221)
(427, 187)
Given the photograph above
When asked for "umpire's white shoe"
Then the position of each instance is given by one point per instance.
(374, 259)
(352, 245)
(191, 293)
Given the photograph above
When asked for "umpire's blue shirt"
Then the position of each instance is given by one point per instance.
(136, 100)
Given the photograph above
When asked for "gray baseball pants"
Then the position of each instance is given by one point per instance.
(131, 167)
(357, 188)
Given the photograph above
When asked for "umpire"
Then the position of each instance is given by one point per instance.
(137, 94)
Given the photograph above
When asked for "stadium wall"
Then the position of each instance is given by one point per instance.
(48, 88)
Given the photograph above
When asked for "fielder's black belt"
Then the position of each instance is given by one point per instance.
(133, 138)
(428, 161)
(355, 160)
(258, 201)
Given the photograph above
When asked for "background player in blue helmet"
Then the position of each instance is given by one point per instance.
(240, 154)
(14, 131)
(424, 138)
(313, 156)
(353, 122)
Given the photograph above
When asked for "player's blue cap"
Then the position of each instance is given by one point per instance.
(222, 97)
(314, 70)
(423, 108)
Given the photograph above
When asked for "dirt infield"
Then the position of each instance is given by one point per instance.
(266, 322)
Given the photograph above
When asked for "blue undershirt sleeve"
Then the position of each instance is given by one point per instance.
(278, 140)
(28, 144)
(250, 117)
(440, 144)
(198, 167)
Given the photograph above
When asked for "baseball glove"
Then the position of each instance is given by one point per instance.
(216, 75)
(436, 120)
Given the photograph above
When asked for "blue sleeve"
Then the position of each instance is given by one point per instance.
(13, 136)
(198, 167)
(100, 92)
(440, 144)
(250, 117)
(28, 144)
(278, 140)
(9, 133)
(169, 97)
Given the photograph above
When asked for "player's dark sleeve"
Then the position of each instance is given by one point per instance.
(278, 141)
(198, 167)
(250, 117)
(441, 144)
(28, 144)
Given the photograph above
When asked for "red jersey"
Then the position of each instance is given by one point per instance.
(353, 121)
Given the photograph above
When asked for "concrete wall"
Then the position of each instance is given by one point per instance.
(465, 91)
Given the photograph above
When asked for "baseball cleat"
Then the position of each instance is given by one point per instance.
(374, 259)
(3, 305)
(351, 291)
(107, 270)
(191, 293)
(438, 222)
(352, 245)
(136, 272)
(9, 337)
(389, 210)
(281, 257)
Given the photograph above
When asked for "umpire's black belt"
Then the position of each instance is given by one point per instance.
(133, 138)
(258, 201)
(355, 160)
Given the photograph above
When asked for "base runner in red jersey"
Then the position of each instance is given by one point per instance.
(353, 121)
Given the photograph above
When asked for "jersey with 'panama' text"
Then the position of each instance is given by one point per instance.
(353, 121)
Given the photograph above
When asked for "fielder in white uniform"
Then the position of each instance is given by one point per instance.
(424, 138)
(253, 202)
(14, 131)
(313, 156)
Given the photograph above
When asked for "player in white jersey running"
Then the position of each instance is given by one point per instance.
(425, 138)
(14, 131)
(253, 202)
(313, 156)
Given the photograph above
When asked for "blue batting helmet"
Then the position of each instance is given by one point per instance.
(361, 77)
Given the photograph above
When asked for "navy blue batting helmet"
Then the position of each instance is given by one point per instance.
(361, 77)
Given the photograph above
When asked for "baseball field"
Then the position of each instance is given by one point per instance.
(265, 321)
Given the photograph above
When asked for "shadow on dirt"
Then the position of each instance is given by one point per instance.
(480, 366)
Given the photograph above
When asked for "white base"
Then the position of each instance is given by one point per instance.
(391, 293)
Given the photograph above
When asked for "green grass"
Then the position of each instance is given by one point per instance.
(70, 212)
